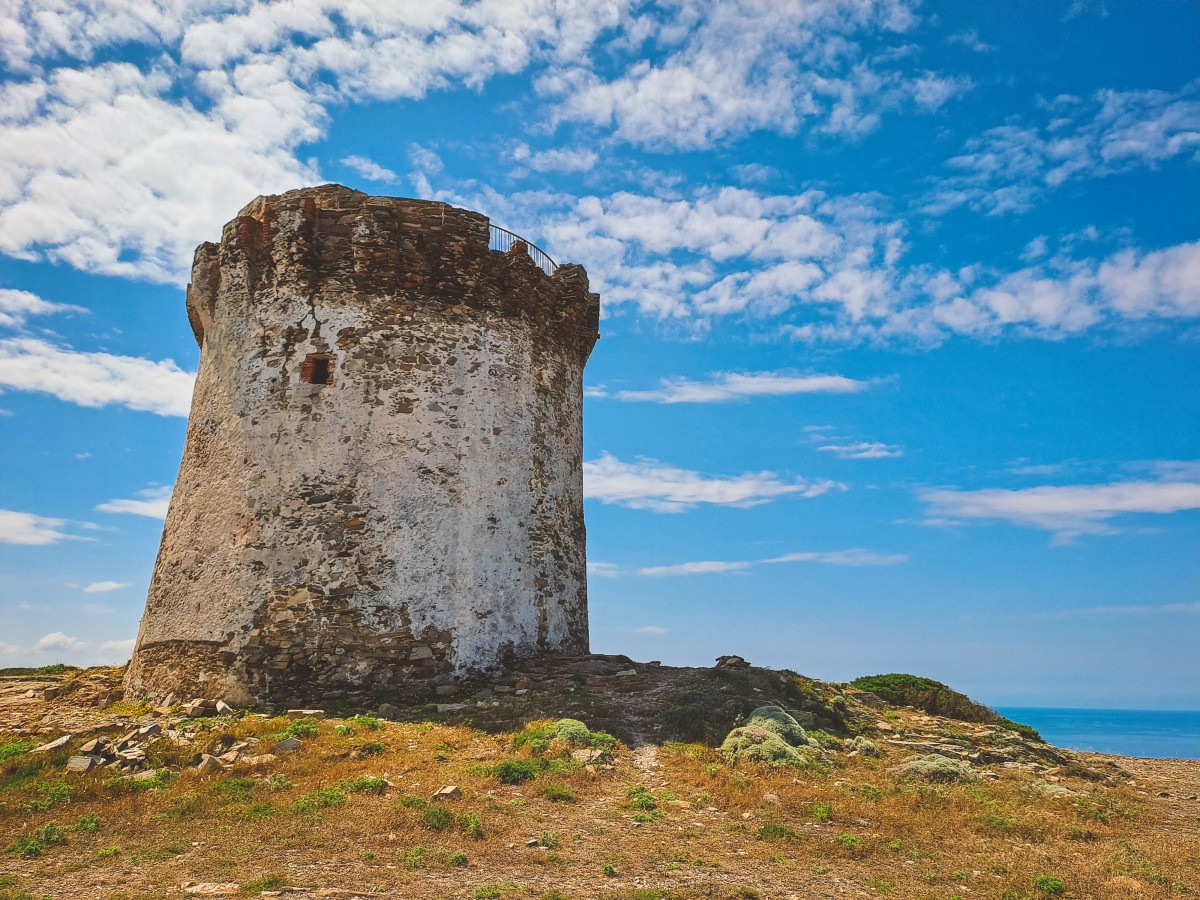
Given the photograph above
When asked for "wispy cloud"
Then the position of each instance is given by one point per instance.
(1068, 511)
(1008, 168)
(17, 306)
(29, 529)
(862, 450)
(370, 170)
(695, 568)
(723, 387)
(650, 629)
(854, 556)
(103, 587)
(95, 379)
(650, 484)
(151, 502)
(603, 569)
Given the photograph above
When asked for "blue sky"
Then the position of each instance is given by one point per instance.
(900, 353)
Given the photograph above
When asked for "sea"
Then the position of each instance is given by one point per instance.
(1165, 734)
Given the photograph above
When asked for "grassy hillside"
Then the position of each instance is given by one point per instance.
(886, 801)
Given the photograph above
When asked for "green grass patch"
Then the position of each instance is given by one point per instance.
(34, 845)
(319, 799)
(13, 749)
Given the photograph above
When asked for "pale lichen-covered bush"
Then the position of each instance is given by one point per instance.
(865, 746)
(775, 719)
(753, 743)
(773, 737)
(936, 768)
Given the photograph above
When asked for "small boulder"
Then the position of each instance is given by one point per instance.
(288, 744)
(388, 711)
(224, 709)
(208, 765)
(731, 662)
(935, 768)
(448, 792)
(83, 763)
(52, 745)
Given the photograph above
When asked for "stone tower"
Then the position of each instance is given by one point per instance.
(382, 481)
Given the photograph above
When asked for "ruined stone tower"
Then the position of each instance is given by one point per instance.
(382, 481)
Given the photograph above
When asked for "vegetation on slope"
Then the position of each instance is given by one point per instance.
(936, 699)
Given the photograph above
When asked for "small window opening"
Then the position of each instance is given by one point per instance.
(316, 369)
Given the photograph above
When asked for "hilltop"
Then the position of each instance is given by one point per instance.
(576, 777)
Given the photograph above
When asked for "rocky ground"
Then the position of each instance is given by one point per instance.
(454, 795)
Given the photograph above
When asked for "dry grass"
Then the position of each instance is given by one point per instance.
(707, 830)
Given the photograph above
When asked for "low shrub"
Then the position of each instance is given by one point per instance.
(935, 768)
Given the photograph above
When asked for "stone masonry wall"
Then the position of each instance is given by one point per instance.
(416, 517)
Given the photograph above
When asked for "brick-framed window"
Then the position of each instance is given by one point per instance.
(317, 368)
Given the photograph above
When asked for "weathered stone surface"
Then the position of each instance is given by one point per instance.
(448, 792)
(83, 763)
(382, 482)
(52, 745)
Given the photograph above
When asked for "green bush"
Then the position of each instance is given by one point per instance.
(305, 726)
(556, 793)
(371, 748)
(88, 822)
(753, 743)
(35, 844)
(470, 825)
(458, 859)
(1048, 884)
(936, 699)
(234, 788)
(319, 799)
(822, 812)
(364, 784)
(437, 818)
(52, 795)
(13, 749)
(571, 732)
(370, 723)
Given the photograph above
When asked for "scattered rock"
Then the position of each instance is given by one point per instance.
(388, 711)
(52, 745)
(224, 709)
(625, 673)
(208, 765)
(84, 762)
(731, 662)
(288, 744)
(212, 888)
(306, 713)
(448, 792)
(450, 707)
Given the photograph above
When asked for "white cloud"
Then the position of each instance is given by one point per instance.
(30, 530)
(695, 568)
(103, 587)
(556, 159)
(371, 170)
(650, 484)
(736, 67)
(650, 629)
(151, 502)
(66, 647)
(1068, 511)
(17, 306)
(1010, 167)
(58, 641)
(726, 386)
(603, 569)
(862, 450)
(854, 557)
(95, 379)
